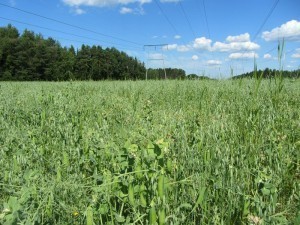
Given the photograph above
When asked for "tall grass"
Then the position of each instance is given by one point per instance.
(165, 152)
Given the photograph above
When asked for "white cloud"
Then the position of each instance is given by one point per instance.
(183, 48)
(170, 47)
(163, 1)
(239, 55)
(213, 62)
(177, 36)
(102, 3)
(106, 3)
(236, 43)
(202, 43)
(155, 36)
(195, 57)
(296, 55)
(240, 38)
(290, 31)
(78, 11)
(126, 10)
(179, 48)
(235, 46)
(267, 56)
(199, 43)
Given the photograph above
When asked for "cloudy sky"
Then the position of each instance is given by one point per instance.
(206, 37)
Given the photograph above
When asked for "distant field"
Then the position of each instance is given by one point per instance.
(165, 152)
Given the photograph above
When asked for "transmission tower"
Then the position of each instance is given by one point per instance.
(156, 47)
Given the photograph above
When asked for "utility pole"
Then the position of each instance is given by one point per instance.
(155, 47)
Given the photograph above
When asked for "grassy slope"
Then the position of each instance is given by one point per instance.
(233, 148)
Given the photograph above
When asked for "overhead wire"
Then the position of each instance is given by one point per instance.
(206, 20)
(263, 23)
(171, 25)
(187, 20)
(266, 19)
(71, 34)
(261, 27)
(207, 30)
(70, 25)
(166, 17)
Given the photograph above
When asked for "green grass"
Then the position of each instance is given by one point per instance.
(166, 152)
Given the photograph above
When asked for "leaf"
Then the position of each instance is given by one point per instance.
(9, 219)
(152, 216)
(133, 148)
(150, 154)
(158, 151)
(265, 191)
(131, 195)
(200, 198)
(103, 209)
(120, 218)
(184, 206)
(246, 208)
(14, 204)
(297, 219)
(89, 216)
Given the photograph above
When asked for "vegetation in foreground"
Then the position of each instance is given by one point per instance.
(168, 152)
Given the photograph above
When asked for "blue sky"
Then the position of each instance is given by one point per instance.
(206, 37)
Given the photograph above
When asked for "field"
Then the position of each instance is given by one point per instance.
(155, 152)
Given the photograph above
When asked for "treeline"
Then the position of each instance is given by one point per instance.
(194, 76)
(29, 56)
(270, 73)
(169, 73)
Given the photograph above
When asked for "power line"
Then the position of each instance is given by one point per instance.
(70, 25)
(261, 26)
(164, 46)
(166, 17)
(63, 32)
(263, 23)
(271, 50)
(206, 21)
(266, 19)
(187, 19)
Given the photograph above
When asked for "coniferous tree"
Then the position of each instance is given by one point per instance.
(29, 56)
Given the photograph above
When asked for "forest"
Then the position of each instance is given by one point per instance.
(29, 56)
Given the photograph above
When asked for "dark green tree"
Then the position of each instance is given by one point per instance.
(31, 57)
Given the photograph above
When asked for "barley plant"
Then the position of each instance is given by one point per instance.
(150, 152)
